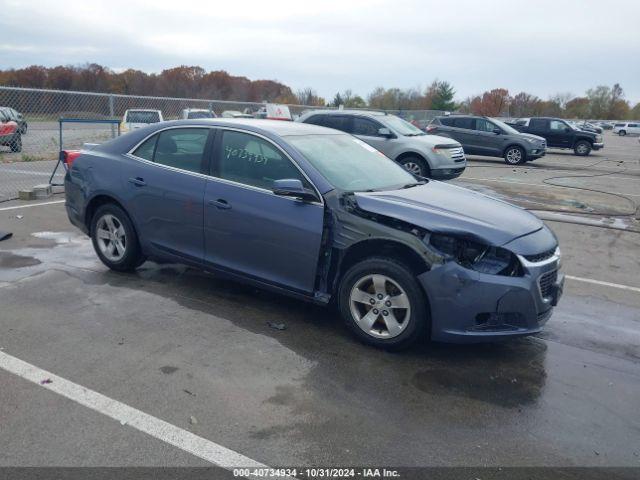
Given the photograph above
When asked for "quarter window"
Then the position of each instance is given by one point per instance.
(339, 122)
(466, 123)
(146, 149)
(250, 160)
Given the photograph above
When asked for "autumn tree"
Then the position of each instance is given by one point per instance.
(493, 103)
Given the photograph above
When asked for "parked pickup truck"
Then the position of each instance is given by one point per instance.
(560, 134)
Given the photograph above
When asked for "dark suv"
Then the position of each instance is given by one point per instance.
(490, 137)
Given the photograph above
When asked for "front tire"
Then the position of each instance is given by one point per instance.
(382, 303)
(416, 166)
(622, 133)
(515, 155)
(114, 239)
(582, 148)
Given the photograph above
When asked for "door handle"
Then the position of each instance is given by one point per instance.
(138, 181)
(220, 204)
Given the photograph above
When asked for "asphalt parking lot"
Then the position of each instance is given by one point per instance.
(198, 359)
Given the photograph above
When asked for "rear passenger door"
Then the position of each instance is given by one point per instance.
(487, 141)
(164, 190)
(463, 130)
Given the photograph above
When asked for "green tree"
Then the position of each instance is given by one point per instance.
(443, 97)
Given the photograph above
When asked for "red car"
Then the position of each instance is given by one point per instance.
(10, 134)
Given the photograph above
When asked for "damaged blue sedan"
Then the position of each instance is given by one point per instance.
(317, 214)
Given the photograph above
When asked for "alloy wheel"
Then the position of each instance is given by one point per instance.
(379, 306)
(111, 237)
(413, 168)
(514, 155)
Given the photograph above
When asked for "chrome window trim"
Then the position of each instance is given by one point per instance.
(130, 155)
(279, 149)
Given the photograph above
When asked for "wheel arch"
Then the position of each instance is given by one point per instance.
(379, 247)
(412, 153)
(103, 199)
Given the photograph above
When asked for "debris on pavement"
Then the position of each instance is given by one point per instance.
(46, 381)
(5, 235)
(193, 420)
(188, 392)
(19, 217)
(277, 326)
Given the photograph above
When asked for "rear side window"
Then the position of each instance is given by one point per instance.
(316, 120)
(619, 125)
(538, 123)
(467, 123)
(181, 148)
(251, 160)
(634, 125)
(446, 121)
(339, 122)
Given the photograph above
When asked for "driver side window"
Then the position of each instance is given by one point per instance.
(483, 125)
(366, 127)
(557, 126)
(251, 160)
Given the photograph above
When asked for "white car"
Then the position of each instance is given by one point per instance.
(139, 117)
(629, 128)
(235, 114)
(195, 113)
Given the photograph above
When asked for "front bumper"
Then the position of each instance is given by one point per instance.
(598, 146)
(447, 173)
(468, 306)
(536, 152)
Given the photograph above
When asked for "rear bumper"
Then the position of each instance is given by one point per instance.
(469, 307)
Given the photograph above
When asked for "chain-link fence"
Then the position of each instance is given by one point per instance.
(38, 111)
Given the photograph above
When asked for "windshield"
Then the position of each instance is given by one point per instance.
(192, 115)
(506, 128)
(143, 117)
(350, 164)
(401, 126)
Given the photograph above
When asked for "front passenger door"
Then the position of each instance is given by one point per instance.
(487, 141)
(252, 231)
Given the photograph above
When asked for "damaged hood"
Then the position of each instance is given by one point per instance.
(440, 207)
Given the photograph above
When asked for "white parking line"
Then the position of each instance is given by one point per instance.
(25, 172)
(126, 415)
(29, 205)
(540, 185)
(604, 284)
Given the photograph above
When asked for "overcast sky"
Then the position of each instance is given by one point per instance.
(542, 47)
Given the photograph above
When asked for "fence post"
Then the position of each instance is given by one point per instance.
(111, 115)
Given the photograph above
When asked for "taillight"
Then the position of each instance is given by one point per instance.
(68, 156)
(431, 128)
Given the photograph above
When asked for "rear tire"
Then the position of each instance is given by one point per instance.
(582, 148)
(416, 166)
(16, 144)
(515, 155)
(622, 133)
(398, 316)
(114, 239)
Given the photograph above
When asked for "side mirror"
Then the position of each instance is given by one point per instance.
(497, 131)
(385, 132)
(292, 187)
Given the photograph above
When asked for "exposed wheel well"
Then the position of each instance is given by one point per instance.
(380, 248)
(402, 156)
(95, 203)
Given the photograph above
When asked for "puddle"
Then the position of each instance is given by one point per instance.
(10, 260)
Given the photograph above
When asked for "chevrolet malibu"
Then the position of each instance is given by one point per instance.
(320, 215)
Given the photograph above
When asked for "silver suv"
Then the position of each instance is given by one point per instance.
(423, 155)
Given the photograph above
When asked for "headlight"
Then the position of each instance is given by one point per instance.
(531, 140)
(442, 151)
(598, 138)
(476, 256)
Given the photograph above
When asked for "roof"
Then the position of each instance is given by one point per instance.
(349, 112)
(275, 127)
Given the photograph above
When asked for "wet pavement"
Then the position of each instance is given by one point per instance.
(181, 344)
